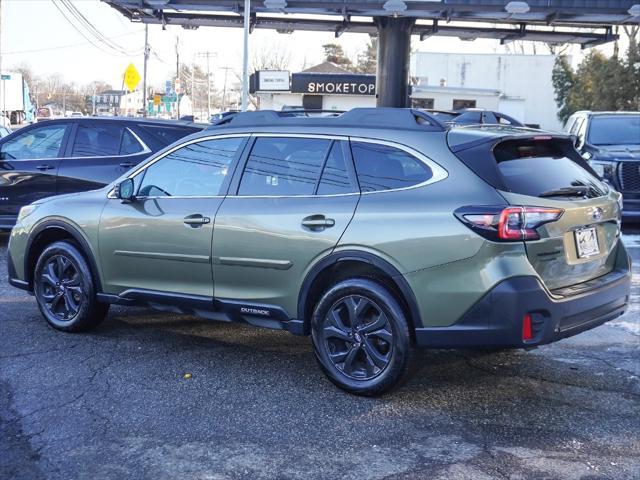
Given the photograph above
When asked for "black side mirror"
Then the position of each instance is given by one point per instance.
(125, 190)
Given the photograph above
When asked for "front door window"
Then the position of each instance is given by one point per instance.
(37, 143)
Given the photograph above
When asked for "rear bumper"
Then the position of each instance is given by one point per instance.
(496, 319)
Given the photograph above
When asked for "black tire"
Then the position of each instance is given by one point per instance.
(64, 289)
(360, 315)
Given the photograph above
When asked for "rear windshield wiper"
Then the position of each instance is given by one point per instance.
(567, 192)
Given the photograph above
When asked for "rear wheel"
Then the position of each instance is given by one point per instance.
(65, 291)
(361, 337)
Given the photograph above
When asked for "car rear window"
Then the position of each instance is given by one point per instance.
(536, 166)
(168, 135)
(540, 168)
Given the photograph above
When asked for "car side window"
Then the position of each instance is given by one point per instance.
(36, 143)
(281, 166)
(130, 145)
(195, 170)
(97, 140)
(335, 177)
(383, 167)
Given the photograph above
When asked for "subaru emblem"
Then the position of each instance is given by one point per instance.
(596, 213)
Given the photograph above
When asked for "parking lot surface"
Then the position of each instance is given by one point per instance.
(115, 404)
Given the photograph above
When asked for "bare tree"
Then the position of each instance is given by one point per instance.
(271, 56)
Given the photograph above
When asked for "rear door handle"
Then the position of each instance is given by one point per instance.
(318, 222)
(196, 220)
(127, 165)
(44, 167)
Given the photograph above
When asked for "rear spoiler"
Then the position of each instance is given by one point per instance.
(465, 137)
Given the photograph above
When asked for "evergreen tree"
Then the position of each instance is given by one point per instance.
(334, 53)
(563, 80)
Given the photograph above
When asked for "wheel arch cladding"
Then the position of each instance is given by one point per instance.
(53, 231)
(349, 264)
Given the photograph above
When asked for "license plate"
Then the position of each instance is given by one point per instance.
(587, 242)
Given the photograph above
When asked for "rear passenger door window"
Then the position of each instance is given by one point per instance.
(99, 140)
(290, 166)
(130, 144)
(335, 179)
(383, 167)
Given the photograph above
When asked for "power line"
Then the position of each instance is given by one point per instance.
(92, 35)
(93, 30)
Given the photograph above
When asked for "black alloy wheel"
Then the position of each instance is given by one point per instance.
(358, 337)
(361, 337)
(61, 287)
(65, 290)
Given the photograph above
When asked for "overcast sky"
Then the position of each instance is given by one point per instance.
(35, 33)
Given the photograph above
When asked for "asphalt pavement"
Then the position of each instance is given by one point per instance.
(115, 404)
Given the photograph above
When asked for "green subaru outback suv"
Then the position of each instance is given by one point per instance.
(375, 232)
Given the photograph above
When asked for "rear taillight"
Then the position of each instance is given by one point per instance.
(527, 328)
(507, 224)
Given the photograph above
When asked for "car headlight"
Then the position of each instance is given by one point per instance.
(26, 211)
(605, 169)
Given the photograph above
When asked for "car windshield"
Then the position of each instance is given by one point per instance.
(614, 130)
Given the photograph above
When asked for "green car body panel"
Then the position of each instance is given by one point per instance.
(253, 251)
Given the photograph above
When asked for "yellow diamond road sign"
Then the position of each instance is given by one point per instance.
(131, 77)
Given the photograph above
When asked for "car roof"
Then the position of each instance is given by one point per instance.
(361, 118)
(612, 112)
(138, 120)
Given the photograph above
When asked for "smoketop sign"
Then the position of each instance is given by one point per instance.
(333, 84)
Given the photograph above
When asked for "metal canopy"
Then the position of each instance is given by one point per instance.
(586, 23)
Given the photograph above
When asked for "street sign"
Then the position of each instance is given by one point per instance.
(156, 100)
(5, 77)
(168, 87)
(131, 77)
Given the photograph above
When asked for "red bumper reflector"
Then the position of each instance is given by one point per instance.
(527, 331)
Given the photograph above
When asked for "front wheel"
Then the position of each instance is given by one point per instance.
(361, 337)
(65, 291)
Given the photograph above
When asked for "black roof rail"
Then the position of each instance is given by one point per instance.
(405, 118)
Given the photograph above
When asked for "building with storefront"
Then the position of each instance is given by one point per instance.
(518, 85)
(326, 86)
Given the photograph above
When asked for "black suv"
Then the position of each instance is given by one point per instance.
(610, 141)
(75, 154)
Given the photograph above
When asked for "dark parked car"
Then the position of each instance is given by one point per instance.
(75, 154)
(474, 116)
(610, 141)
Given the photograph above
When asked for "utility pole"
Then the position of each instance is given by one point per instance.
(177, 74)
(144, 71)
(224, 89)
(245, 56)
(3, 99)
(208, 55)
(93, 98)
(193, 88)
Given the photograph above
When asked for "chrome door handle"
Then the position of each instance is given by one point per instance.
(44, 167)
(196, 220)
(127, 165)
(318, 222)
